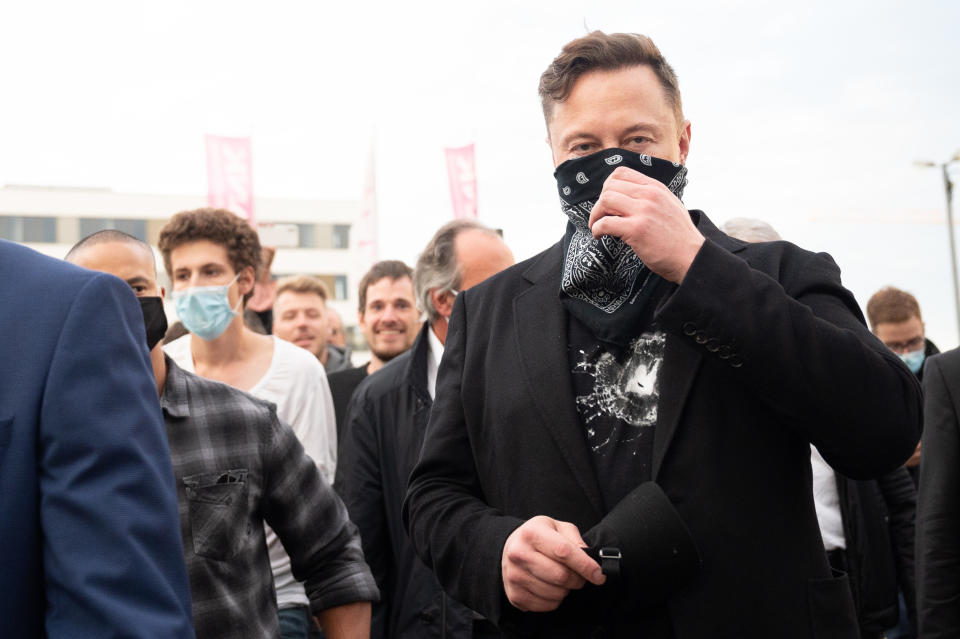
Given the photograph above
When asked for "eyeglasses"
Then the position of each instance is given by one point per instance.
(908, 346)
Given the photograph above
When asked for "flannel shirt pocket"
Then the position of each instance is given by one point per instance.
(219, 521)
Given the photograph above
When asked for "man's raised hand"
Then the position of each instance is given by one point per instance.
(644, 213)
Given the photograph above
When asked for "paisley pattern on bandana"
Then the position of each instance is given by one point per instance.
(601, 271)
(604, 272)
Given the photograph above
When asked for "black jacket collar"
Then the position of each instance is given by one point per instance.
(415, 363)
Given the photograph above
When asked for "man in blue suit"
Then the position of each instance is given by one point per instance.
(89, 533)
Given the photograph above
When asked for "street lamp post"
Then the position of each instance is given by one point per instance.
(948, 188)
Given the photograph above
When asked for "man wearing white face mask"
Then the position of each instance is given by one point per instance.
(385, 424)
(212, 257)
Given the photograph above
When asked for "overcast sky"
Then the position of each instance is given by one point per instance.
(809, 116)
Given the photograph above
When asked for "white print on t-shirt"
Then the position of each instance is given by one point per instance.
(627, 392)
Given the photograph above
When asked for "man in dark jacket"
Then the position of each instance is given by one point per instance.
(938, 516)
(867, 526)
(386, 420)
(878, 527)
(388, 318)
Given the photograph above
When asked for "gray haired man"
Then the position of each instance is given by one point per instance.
(385, 425)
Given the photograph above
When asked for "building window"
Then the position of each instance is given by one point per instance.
(7, 229)
(341, 236)
(308, 235)
(136, 228)
(18, 228)
(340, 287)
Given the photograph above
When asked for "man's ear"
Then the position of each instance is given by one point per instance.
(684, 142)
(442, 301)
(360, 318)
(246, 280)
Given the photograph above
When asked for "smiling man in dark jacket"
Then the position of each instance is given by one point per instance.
(386, 421)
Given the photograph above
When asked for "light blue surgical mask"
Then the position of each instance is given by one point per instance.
(205, 310)
(913, 360)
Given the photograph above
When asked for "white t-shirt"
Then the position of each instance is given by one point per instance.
(827, 501)
(297, 384)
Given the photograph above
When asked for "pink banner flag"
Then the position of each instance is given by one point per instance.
(366, 227)
(461, 171)
(230, 175)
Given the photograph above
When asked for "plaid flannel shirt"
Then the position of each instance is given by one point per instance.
(237, 466)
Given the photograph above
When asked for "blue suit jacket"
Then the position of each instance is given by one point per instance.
(89, 533)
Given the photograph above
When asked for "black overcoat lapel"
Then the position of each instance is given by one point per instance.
(680, 366)
(541, 330)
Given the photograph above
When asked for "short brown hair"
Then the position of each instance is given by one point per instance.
(892, 305)
(394, 269)
(218, 226)
(599, 51)
(302, 284)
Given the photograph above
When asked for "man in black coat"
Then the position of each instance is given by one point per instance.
(648, 388)
(878, 527)
(938, 515)
(388, 318)
(868, 525)
(386, 421)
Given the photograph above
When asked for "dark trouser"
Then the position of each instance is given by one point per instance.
(296, 623)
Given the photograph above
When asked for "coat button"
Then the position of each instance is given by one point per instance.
(735, 361)
(689, 328)
(701, 337)
(724, 352)
(713, 345)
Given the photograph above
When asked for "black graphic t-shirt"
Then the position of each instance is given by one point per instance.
(617, 391)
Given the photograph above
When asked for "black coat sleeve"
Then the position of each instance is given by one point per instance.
(938, 516)
(791, 333)
(364, 498)
(451, 526)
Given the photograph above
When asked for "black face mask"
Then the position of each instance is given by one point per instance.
(605, 285)
(154, 320)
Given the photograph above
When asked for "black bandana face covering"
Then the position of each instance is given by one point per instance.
(154, 319)
(603, 277)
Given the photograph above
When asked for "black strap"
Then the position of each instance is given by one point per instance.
(610, 562)
(609, 559)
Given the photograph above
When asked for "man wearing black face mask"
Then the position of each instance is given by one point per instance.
(131, 260)
(236, 466)
(619, 444)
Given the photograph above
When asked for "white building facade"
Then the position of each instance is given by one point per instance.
(312, 237)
